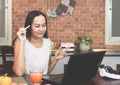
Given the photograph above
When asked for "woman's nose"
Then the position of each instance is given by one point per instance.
(41, 28)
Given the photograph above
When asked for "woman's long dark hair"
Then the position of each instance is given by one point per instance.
(29, 20)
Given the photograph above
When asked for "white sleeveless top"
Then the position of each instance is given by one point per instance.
(37, 57)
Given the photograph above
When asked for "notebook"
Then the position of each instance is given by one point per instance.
(81, 67)
(19, 80)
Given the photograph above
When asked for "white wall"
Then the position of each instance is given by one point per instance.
(59, 68)
(111, 61)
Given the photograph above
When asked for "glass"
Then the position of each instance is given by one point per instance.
(36, 76)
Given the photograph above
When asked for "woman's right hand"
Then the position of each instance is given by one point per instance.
(21, 34)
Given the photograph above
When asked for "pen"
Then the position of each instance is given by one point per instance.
(27, 27)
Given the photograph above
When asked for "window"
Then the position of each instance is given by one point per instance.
(112, 26)
(5, 22)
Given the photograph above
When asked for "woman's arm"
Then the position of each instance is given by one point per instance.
(52, 64)
(59, 54)
(19, 59)
(19, 62)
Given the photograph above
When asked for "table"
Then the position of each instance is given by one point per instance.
(97, 80)
(102, 81)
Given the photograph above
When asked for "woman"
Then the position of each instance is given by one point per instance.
(32, 48)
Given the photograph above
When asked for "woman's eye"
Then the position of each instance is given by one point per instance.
(37, 26)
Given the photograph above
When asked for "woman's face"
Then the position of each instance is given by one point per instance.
(38, 27)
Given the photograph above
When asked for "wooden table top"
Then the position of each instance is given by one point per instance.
(97, 80)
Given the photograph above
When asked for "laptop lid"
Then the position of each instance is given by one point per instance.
(82, 67)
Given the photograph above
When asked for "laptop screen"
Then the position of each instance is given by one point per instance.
(82, 67)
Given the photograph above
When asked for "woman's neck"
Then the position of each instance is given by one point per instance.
(36, 42)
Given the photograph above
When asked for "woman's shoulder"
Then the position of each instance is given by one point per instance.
(47, 42)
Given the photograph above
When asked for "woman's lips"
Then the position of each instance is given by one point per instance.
(40, 33)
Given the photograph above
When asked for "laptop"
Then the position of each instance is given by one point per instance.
(81, 67)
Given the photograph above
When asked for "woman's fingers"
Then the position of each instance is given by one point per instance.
(21, 34)
(22, 31)
(67, 48)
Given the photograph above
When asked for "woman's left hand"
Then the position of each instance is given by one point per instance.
(61, 53)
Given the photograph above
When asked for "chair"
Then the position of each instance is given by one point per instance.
(7, 65)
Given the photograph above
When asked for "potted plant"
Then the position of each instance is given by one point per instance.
(84, 43)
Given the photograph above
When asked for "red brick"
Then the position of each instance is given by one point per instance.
(87, 19)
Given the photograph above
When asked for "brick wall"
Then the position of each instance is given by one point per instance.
(87, 19)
